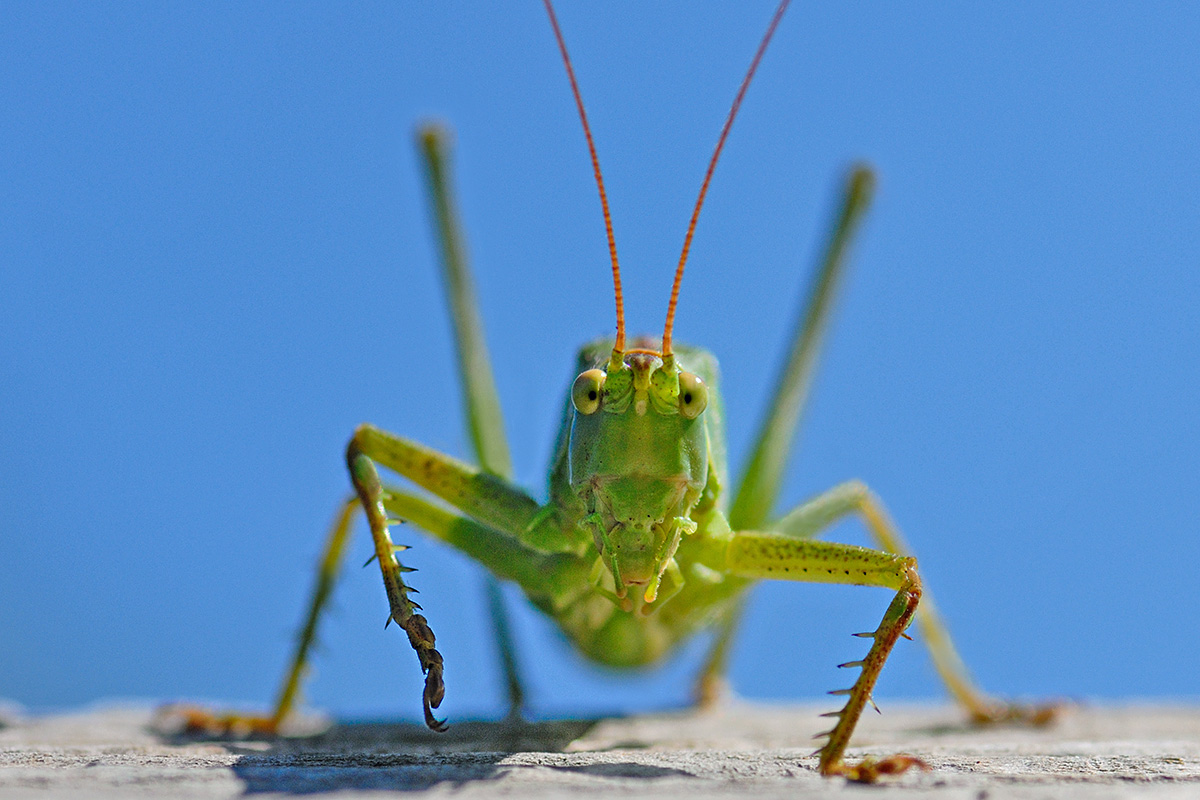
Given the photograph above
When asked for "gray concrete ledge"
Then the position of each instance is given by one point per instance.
(740, 750)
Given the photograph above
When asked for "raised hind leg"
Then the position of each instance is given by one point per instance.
(757, 493)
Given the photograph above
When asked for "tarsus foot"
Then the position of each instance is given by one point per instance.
(870, 770)
(421, 637)
(198, 721)
(1018, 713)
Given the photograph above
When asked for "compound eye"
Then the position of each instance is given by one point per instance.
(693, 395)
(585, 394)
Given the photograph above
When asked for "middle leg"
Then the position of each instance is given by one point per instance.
(770, 555)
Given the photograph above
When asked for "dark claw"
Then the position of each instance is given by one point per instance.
(435, 690)
(436, 725)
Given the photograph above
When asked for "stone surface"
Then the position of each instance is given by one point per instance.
(740, 750)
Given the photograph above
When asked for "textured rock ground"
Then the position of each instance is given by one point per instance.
(1110, 752)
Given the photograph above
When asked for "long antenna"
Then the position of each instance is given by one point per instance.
(712, 165)
(619, 344)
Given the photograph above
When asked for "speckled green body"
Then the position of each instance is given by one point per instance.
(637, 547)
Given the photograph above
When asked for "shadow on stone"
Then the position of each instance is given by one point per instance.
(373, 756)
(315, 773)
(312, 774)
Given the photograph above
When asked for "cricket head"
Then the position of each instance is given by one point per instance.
(639, 462)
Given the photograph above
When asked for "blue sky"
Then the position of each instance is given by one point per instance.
(216, 261)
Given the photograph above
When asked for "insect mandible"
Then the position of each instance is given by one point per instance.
(645, 540)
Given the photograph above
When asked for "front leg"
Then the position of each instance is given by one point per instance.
(769, 555)
(496, 521)
(403, 610)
